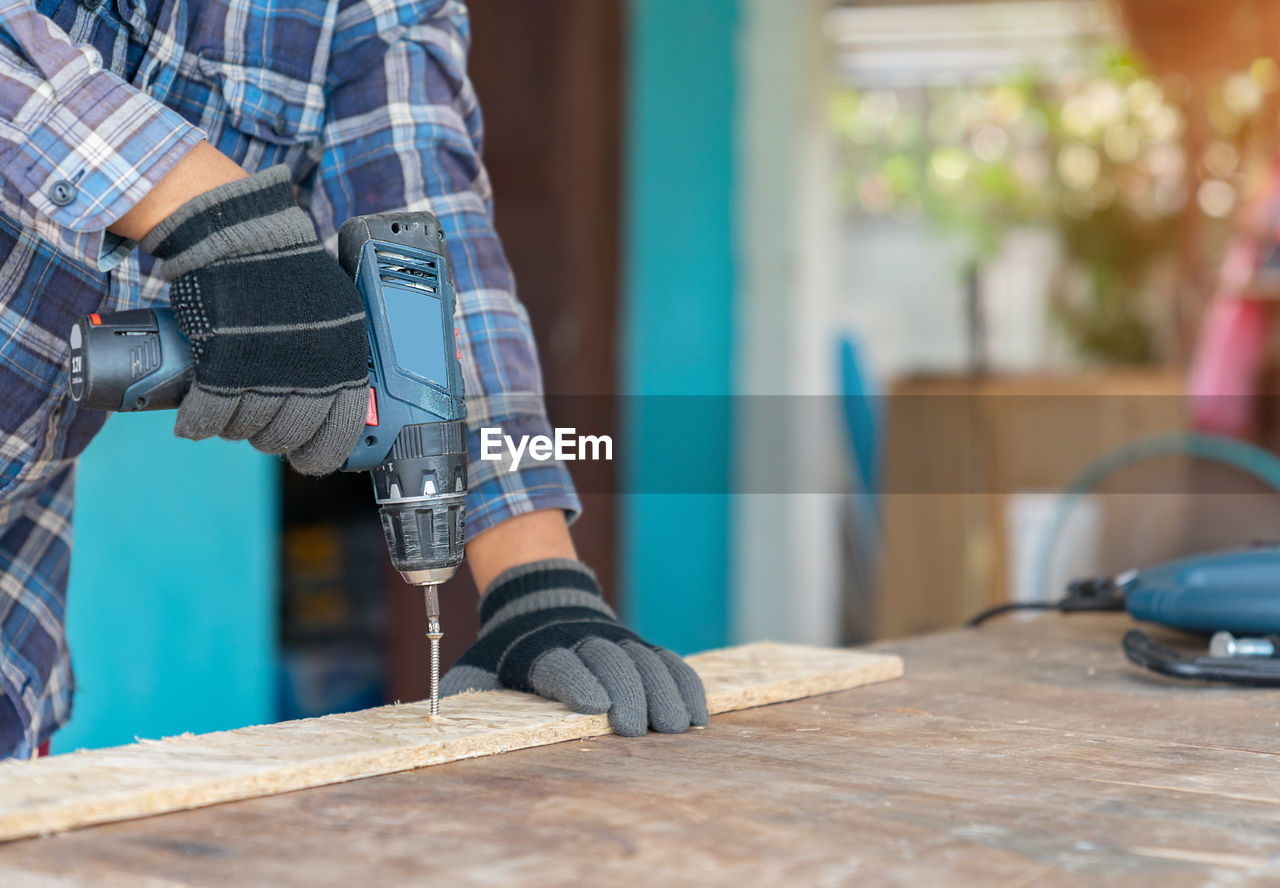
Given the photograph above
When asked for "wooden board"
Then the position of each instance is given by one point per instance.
(153, 777)
(1022, 755)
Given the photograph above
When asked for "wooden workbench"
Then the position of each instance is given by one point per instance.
(1025, 753)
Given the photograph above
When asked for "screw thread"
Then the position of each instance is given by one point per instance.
(435, 676)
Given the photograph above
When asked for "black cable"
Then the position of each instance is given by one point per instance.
(1011, 606)
(1141, 649)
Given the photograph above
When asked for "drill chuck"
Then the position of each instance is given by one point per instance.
(421, 490)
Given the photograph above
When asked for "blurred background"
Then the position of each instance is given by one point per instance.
(962, 288)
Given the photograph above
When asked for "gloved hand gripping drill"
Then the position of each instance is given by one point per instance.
(265, 343)
(270, 340)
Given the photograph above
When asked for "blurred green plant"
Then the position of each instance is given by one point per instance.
(1099, 156)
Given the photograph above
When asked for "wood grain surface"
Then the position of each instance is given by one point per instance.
(1022, 754)
(153, 777)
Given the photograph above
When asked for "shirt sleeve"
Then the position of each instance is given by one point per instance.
(79, 147)
(403, 132)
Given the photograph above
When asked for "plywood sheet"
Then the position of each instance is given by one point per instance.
(156, 776)
(1027, 754)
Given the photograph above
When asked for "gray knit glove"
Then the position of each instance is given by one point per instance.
(544, 628)
(277, 328)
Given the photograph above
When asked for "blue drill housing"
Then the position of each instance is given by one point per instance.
(414, 369)
(1236, 591)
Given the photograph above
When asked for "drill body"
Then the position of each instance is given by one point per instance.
(414, 440)
(414, 444)
(1233, 591)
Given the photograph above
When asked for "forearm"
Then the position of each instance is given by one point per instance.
(534, 536)
(79, 145)
(202, 169)
(421, 68)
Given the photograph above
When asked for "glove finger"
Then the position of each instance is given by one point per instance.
(560, 675)
(294, 424)
(329, 448)
(204, 414)
(667, 714)
(467, 678)
(690, 685)
(617, 674)
(253, 414)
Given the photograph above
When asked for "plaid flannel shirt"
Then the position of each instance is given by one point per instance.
(367, 101)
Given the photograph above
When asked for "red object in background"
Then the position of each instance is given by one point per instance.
(42, 750)
(1228, 366)
(1226, 374)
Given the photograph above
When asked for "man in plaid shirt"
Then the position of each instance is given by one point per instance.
(230, 139)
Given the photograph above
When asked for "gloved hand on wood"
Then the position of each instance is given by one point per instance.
(546, 629)
(277, 329)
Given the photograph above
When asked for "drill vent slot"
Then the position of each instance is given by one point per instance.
(417, 272)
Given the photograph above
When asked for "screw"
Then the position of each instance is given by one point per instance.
(434, 634)
(1224, 644)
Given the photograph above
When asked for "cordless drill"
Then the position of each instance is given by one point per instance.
(413, 442)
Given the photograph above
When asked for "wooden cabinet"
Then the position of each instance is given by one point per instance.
(958, 449)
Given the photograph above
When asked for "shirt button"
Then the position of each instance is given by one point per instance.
(91, 4)
(280, 126)
(62, 193)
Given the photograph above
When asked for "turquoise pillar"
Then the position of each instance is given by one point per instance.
(172, 607)
(677, 331)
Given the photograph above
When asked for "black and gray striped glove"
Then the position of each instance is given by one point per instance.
(277, 329)
(545, 628)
